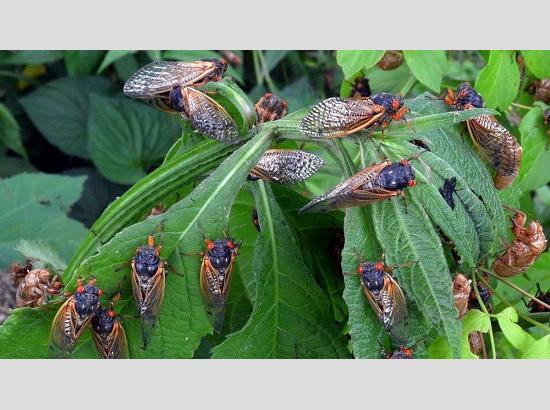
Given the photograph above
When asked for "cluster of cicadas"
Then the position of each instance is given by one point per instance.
(177, 87)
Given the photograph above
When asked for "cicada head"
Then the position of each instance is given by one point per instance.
(467, 97)
(147, 260)
(270, 108)
(220, 253)
(221, 66)
(87, 299)
(397, 176)
(372, 276)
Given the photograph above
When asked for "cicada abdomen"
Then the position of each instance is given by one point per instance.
(148, 283)
(270, 108)
(494, 142)
(160, 83)
(108, 334)
(73, 317)
(286, 166)
(372, 184)
(386, 298)
(36, 288)
(461, 294)
(215, 277)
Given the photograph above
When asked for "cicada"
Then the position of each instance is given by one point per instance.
(73, 317)
(447, 190)
(536, 307)
(36, 288)
(256, 220)
(391, 60)
(494, 142)
(286, 166)
(484, 293)
(541, 90)
(270, 108)
(215, 276)
(148, 282)
(529, 243)
(402, 353)
(335, 117)
(108, 334)
(384, 295)
(461, 293)
(372, 184)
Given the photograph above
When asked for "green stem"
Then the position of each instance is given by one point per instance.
(408, 86)
(525, 107)
(257, 69)
(484, 308)
(270, 84)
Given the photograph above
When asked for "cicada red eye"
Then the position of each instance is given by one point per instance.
(360, 269)
(209, 244)
(230, 244)
(379, 265)
(111, 313)
(412, 183)
(80, 289)
(100, 292)
(404, 162)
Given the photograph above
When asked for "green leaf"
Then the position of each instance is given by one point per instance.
(128, 137)
(274, 57)
(60, 111)
(82, 62)
(474, 321)
(291, 318)
(10, 133)
(35, 207)
(13, 165)
(518, 337)
(353, 61)
(427, 66)
(32, 57)
(43, 253)
(498, 82)
(299, 94)
(111, 56)
(539, 349)
(535, 160)
(538, 62)
(154, 55)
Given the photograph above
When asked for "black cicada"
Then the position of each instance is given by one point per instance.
(447, 190)
(485, 294)
(372, 184)
(270, 108)
(402, 353)
(148, 282)
(286, 166)
(335, 117)
(215, 276)
(73, 317)
(494, 141)
(384, 295)
(535, 306)
(108, 334)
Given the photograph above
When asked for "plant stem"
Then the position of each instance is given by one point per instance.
(484, 308)
(257, 69)
(408, 86)
(270, 84)
(525, 107)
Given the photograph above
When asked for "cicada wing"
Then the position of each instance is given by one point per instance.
(151, 304)
(374, 304)
(213, 295)
(286, 166)
(209, 117)
(118, 344)
(335, 117)
(369, 196)
(63, 330)
(162, 76)
(395, 322)
(136, 288)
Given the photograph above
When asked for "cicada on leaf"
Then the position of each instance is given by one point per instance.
(385, 296)
(402, 353)
(447, 190)
(286, 166)
(215, 276)
(148, 283)
(73, 317)
(108, 334)
(372, 184)
(495, 143)
(335, 117)
(270, 108)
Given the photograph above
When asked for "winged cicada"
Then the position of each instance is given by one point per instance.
(172, 86)
(402, 353)
(384, 295)
(215, 276)
(270, 108)
(73, 317)
(108, 334)
(148, 283)
(495, 143)
(529, 243)
(36, 288)
(335, 117)
(286, 166)
(372, 184)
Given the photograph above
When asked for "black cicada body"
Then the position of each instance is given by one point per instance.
(536, 307)
(270, 108)
(286, 166)
(148, 283)
(484, 293)
(215, 276)
(402, 353)
(73, 317)
(447, 190)
(108, 334)
(372, 184)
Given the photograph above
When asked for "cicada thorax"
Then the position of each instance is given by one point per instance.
(494, 141)
(270, 108)
(215, 276)
(73, 317)
(108, 334)
(461, 293)
(148, 283)
(36, 288)
(391, 60)
(385, 296)
(394, 108)
(286, 166)
(372, 184)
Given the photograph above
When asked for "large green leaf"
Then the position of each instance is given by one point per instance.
(498, 82)
(60, 111)
(82, 62)
(427, 66)
(112, 56)
(128, 137)
(519, 338)
(32, 57)
(539, 349)
(34, 207)
(10, 133)
(353, 61)
(291, 318)
(538, 62)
